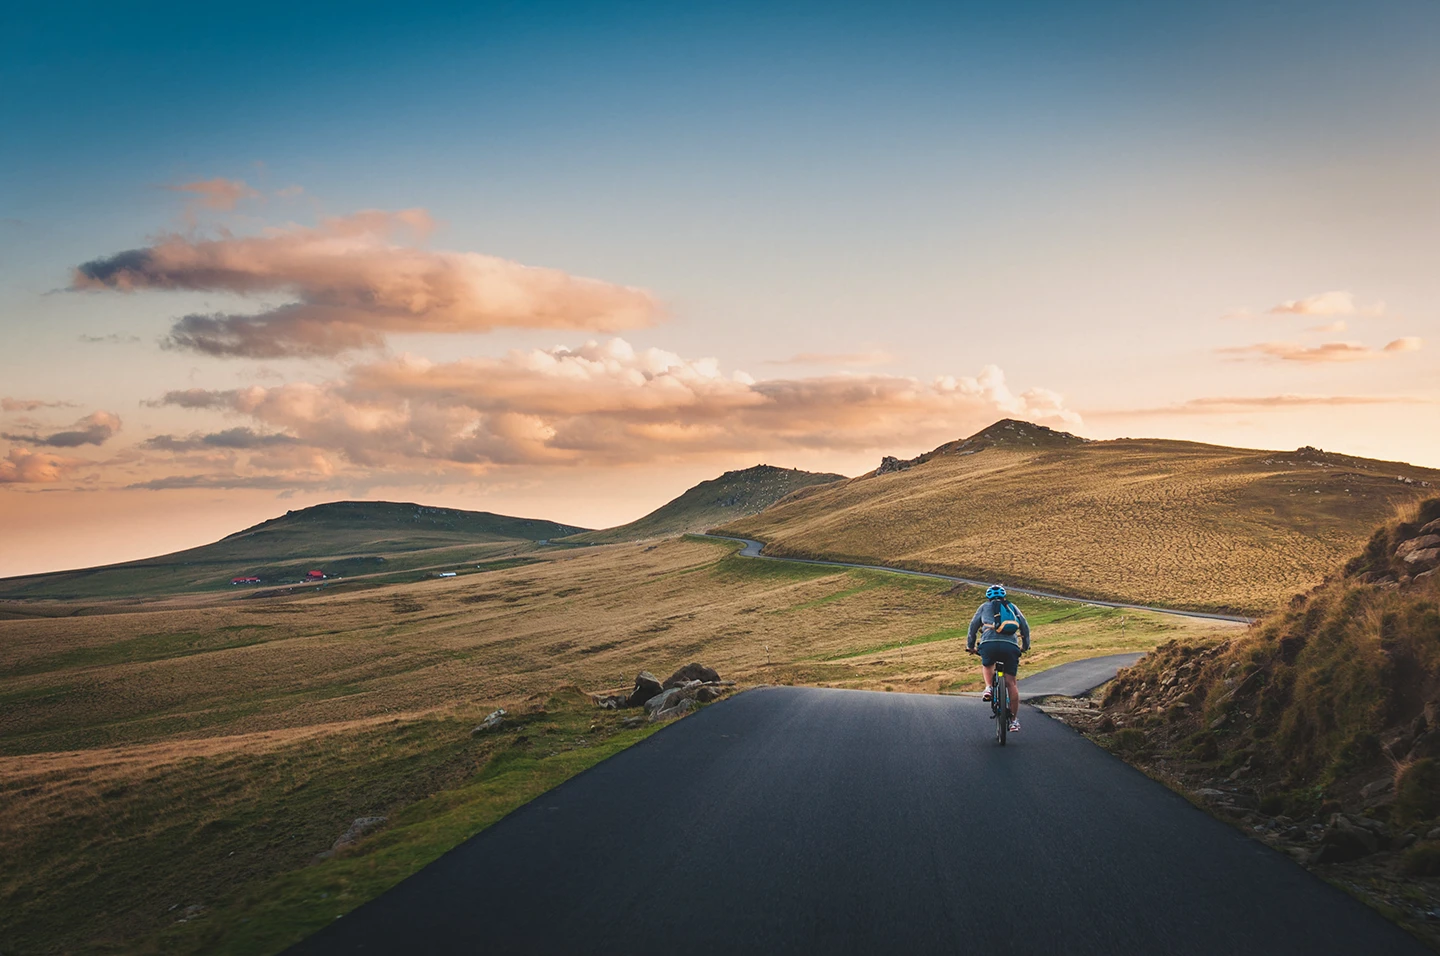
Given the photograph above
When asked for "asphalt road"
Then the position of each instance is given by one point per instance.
(1074, 678)
(805, 820)
(751, 548)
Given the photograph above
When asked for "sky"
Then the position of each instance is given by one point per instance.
(564, 260)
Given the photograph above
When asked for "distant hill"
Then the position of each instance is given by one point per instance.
(1145, 520)
(349, 527)
(733, 495)
(340, 538)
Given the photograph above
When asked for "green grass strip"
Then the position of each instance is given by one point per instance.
(301, 902)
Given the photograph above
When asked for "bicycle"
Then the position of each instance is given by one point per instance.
(999, 702)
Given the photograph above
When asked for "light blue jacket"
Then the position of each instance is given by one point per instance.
(983, 623)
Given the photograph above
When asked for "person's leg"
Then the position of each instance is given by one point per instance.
(988, 672)
(1012, 667)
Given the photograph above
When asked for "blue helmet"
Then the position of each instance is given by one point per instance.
(995, 591)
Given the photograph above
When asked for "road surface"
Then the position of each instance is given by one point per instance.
(1075, 678)
(802, 820)
(751, 549)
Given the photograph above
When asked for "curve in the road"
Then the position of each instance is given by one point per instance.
(752, 549)
(1076, 677)
(800, 820)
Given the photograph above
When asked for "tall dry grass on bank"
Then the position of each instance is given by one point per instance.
(1338, 691)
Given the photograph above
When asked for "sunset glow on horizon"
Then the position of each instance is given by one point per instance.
(566, 260)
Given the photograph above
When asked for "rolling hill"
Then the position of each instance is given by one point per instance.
(340, 538)
(1145, 520)
(735, 494)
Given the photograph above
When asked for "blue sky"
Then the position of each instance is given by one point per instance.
(1076, 194)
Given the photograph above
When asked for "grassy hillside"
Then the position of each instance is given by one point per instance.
(353, 527)
(341, 538)
(191, 759)
(733, 495)
(1157, 522)
(1329, 707)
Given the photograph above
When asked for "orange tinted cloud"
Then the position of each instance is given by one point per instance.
(607, 404)
(218, 194)
(1327, 303)
(1335, 302)
(23, 466)
(94, 429)
(1328, 352)
(30, 404)
(354, 282)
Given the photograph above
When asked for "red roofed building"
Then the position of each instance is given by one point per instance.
(315, 575)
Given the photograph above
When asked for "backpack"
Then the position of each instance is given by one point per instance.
(1007, 621)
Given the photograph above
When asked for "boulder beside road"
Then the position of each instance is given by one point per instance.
(688, 687)
(692, 672)
(647, 685)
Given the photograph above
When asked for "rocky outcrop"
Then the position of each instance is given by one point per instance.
(1401, 552)
(647, 685)
(1006, 433)
(692, 672)
(679, 694)
(1344, 840)
(679, 709)
(664, 699)
(1421, 552)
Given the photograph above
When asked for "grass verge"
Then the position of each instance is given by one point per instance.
(245, 832)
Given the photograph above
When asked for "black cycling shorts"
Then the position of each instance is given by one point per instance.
(1002, 652)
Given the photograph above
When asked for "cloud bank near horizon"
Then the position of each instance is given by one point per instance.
(94, 429)
(354, 281)
(25, 466)
(603, 404)
(1336, 302)
(1325, 352)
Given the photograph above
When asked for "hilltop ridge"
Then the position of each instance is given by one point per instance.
(403, 525)
(1146, 521)
(1008, 432)
(735, 494)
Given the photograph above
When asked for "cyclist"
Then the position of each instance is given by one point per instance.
(1004, 635)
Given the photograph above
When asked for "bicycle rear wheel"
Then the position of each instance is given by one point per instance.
(1002, 708)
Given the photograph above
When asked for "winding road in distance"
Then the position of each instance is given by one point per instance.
(752, 549)
(804, 820)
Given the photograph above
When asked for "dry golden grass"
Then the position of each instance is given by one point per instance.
(1152, 522)
(141, 747)
(590, 618)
